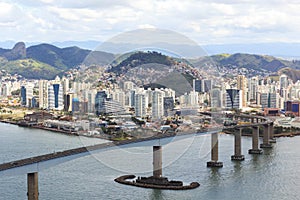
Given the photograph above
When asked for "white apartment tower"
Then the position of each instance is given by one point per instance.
(242, 86)
(157, 104)
(43, 94)
(140, 104)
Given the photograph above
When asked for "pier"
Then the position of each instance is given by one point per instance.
(214, 152)
(237, 145)
(156, 180)
(255, 140)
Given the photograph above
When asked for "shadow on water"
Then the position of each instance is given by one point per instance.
(266, 158)
(237, 169)
(215, 176)
(157, 195)
(256, 160)
(270, 151)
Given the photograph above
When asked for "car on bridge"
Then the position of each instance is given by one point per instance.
(230, 122)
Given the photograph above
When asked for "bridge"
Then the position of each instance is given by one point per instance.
(32, 165)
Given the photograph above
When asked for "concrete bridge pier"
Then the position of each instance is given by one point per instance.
(237, 145)
(214, 152)
(32, 186)
(266, 137)
(157, 161)
(255, 138)
(272, 139)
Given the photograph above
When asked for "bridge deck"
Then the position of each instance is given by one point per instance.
(71, 152)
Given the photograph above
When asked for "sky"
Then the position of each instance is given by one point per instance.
(205, 22)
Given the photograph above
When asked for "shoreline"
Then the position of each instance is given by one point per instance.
(277, 135)
(54, 130)
(161, 135)
(8, 122)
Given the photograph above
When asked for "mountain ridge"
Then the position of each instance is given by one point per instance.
(46, 56)
(51, 58)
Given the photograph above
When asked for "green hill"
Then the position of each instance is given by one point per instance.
(141, 58)
(29, 68)
(249, 61)
(61, 59)
(45, 60)
(179, 81)
(256, 62)
(293, 74)
(69, 57)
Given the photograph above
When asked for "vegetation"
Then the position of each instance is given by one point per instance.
(29, 68)
(45, 61)
(280, 129)
(16, 92)
(61, 59)
(140, 58)
(137, 121)
(249, 61)
(294, 74)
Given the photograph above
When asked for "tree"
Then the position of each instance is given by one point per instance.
(16, 92)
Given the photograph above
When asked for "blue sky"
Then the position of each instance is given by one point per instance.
(205, 22)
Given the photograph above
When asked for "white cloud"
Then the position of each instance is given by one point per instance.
(146, 26)
(216, 21)
(9, 12)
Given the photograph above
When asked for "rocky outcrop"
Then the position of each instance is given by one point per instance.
(17, 52)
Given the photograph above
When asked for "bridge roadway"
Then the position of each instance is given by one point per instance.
(51, 159)
(32, 165)
(45, 161)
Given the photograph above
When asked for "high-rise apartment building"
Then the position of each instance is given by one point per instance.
(242, 86)
(197, 85)
(204, 85)
(157, 104)
(233, 99)
(268, 100)
(43, 94)
(26, 95)
(216, 98)
(101, 96)
(208, 84)
(253, 89)
(140, 104)
(55, 96)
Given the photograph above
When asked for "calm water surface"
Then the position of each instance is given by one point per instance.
(273, 175)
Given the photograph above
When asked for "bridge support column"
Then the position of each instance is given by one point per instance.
(266, 137)
(32, 186)
(214, 152)
(157, 161)
(237, 145)
(272, 139)
(255, 137)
